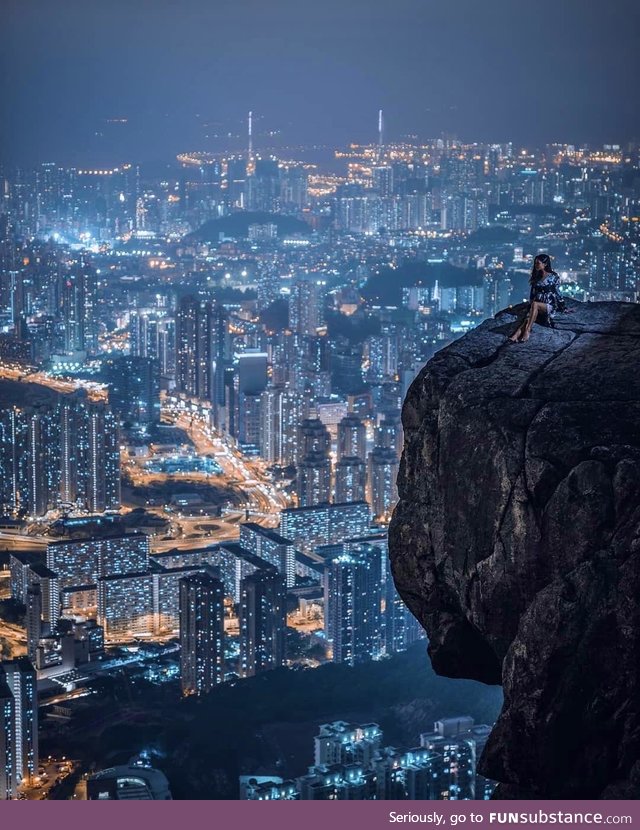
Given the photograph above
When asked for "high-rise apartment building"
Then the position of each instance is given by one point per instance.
(263, 621)
(270, 546)
(134, 388)
(324, 524)
(20, 677)
(351, 479)
(383, 473)
(195, 347)
(201, 633)
(313, 481)
(352, 438)
(353, 604)
(306, 305)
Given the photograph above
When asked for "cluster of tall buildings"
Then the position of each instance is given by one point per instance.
(275, 394)
(75, 242)
(56, 451)
(116, 200)
(89, 593)
(351, 763)
(48, 301)
(292, 306)
(262, 618)
(109, 580)
(364, 617)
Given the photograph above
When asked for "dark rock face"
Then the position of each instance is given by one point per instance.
(516, 541)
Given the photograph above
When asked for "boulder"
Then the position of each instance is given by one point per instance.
(516, 541)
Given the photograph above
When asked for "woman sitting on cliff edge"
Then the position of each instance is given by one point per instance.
(544, 297)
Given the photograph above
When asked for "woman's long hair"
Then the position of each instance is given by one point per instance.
(545, 259)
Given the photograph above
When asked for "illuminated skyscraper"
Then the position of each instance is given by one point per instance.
(270, 546)
(264, 186)
(125, 605)
(383, 180)
(382, 357)
(82, 562)
(73, 447)
(280, 414)
(313, 438)
(42, 460)
(313, 482)
(389, 433)
(263, 621)
(20, 677)
(294, 187)
(268, 281)
(103, 461)
(134, 388)
(498, 289)
(351, 479)
(89, 454)
(306, 305)
(194, 347)
(455, 740)
(7, 742)
(249, 422)
(383, 474)
(29, 460)
(201, 633)
(33, 619)
(153, 336)
(345, 743)
(63, 452)
(313, 464)
(351, 438)
(77, 297)
(353, 604)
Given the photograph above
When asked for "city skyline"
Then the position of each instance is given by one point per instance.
(202, 373)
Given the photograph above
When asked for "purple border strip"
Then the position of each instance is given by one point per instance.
(316, 815)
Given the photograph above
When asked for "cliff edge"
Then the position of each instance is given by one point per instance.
(516, 541)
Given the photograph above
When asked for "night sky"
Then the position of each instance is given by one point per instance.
(185, 72)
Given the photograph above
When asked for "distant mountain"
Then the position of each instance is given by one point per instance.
(237, 225)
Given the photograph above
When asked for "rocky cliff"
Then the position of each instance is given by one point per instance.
(516, 541)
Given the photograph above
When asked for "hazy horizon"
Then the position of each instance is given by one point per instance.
(538, 73)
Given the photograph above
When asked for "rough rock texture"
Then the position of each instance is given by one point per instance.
(516, 541)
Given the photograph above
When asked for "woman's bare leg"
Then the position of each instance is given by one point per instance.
(515, 337)
(536, 308)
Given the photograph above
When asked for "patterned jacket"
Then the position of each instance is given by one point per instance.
(546, 291)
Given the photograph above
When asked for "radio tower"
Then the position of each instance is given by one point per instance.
(379, 135)
(250, 152)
